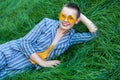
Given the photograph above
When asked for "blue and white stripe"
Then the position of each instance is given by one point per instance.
(14, 54)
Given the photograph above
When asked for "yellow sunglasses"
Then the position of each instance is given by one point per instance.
(70, 18)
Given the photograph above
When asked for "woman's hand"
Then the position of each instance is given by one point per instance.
(43, 63)
(50, 63)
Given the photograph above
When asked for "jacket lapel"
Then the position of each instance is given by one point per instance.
(54, 29)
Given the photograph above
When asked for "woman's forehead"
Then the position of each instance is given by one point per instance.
(69, 11)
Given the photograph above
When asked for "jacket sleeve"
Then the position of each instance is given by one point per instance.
(28, 42)
(81, 37)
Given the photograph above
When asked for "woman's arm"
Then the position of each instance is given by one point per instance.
(85, 36)
(43, 63)
(90, 25)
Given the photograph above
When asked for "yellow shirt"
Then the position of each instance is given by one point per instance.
(43, 54)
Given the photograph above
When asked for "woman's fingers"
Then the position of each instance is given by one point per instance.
(52, 63)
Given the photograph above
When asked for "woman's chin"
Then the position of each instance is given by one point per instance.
(65, 27)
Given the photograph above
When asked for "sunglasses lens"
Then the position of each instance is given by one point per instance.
(71, 20)
(62, 17)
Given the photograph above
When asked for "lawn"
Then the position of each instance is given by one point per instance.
(98, 59)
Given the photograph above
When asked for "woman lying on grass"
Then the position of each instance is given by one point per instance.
(47, 39)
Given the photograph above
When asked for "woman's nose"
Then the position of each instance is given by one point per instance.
(66, 19)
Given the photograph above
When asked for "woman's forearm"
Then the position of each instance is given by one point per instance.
(37, 59)
(43, 63)
(90, 25)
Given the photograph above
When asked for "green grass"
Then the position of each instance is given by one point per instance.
(98, 59)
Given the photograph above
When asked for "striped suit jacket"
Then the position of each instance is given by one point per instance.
(42, 35)
(17, 52)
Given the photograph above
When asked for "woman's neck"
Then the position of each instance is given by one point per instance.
(62, 31)
(59, 34)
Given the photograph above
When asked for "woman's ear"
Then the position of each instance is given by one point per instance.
(77, 21)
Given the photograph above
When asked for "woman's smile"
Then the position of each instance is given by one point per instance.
(65, 24)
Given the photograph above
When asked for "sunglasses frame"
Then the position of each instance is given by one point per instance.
(70, 22)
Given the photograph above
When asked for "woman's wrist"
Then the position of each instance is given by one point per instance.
(89, 24)
(82, 17)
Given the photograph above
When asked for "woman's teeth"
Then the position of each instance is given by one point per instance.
(65, 24)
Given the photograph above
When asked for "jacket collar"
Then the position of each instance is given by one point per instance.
(54, 30)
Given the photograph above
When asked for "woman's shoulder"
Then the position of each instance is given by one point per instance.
(50, 23)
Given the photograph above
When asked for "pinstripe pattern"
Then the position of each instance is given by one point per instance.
(14, 54)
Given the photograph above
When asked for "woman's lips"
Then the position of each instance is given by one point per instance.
(65, 24)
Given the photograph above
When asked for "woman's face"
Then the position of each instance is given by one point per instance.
(67, 17)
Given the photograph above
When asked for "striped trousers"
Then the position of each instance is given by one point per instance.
(12, 61)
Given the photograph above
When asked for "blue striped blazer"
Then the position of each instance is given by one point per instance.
(42, 35)
(18, 51)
